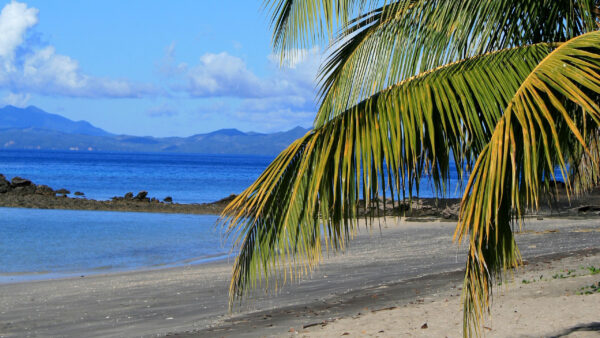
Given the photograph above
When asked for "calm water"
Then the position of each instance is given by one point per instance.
(188, 178)
(47, 243)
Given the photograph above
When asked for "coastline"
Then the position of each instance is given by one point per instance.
(22, 193)
(42, 276)
(69, 203)
(192, 299)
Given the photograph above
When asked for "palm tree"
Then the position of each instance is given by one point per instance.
(509, 89)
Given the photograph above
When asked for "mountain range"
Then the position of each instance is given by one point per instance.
(33, 128)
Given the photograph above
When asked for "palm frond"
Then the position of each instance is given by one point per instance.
(301, 23)
(381, 146)
(553, 117)
(404, 38)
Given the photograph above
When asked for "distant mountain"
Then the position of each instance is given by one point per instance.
(32, 117)
(32, 128)
(226, 132)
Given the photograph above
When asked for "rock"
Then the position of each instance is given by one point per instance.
(4, 184)
(62, 191)
(226, 200)
(24, 190)
(128, 196)
(141, 195)
(451, 212)
(78, 193)
(168, 199)
(154, 200)
(19, 182)
(424, 326)
(44, 190)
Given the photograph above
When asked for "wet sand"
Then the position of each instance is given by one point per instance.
(400, 263)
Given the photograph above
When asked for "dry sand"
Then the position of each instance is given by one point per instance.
(549, 299)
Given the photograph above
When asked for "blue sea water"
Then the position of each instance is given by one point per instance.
(46, 243)
(37, 243)
(187, 178)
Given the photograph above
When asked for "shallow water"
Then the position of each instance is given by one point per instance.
(38, 243)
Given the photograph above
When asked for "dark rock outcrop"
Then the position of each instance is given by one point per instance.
(141, 196)
(62, 191)
(22, 193)
(4, 184)
(19, 182)
(22, 186)
(226, 200)
(44, 190)
(168, 199)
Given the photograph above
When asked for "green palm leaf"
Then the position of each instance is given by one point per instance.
(301, 23)
(381, 146)
(553, 117)
(405, 38)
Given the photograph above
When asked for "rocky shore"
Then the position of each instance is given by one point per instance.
(23, 193)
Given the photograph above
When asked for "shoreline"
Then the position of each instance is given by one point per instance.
(22, 193)
(43, 276)
(189, 300)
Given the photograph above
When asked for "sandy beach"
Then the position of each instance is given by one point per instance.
(392, 279)
(553, 298)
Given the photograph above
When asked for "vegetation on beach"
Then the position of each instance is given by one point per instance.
(510, 89)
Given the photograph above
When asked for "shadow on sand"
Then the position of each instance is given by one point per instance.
(590, 327)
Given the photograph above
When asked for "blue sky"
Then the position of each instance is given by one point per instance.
(160, 68)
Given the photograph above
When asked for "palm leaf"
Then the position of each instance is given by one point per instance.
(300, 23)
(312, 189)
(399, 40)
(553, 117)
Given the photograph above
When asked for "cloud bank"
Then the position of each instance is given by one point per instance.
(40, 69)
(284, 98)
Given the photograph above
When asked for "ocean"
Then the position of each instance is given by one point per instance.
(187, 178)
(37, 244)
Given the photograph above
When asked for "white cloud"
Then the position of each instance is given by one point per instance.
(223, 74)
(283, 99)
(17, 99)
(15, 20)
(49, 73)
(43, 71)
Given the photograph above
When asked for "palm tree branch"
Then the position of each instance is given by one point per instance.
(552, 119)
(405, 38)
(312, 188)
